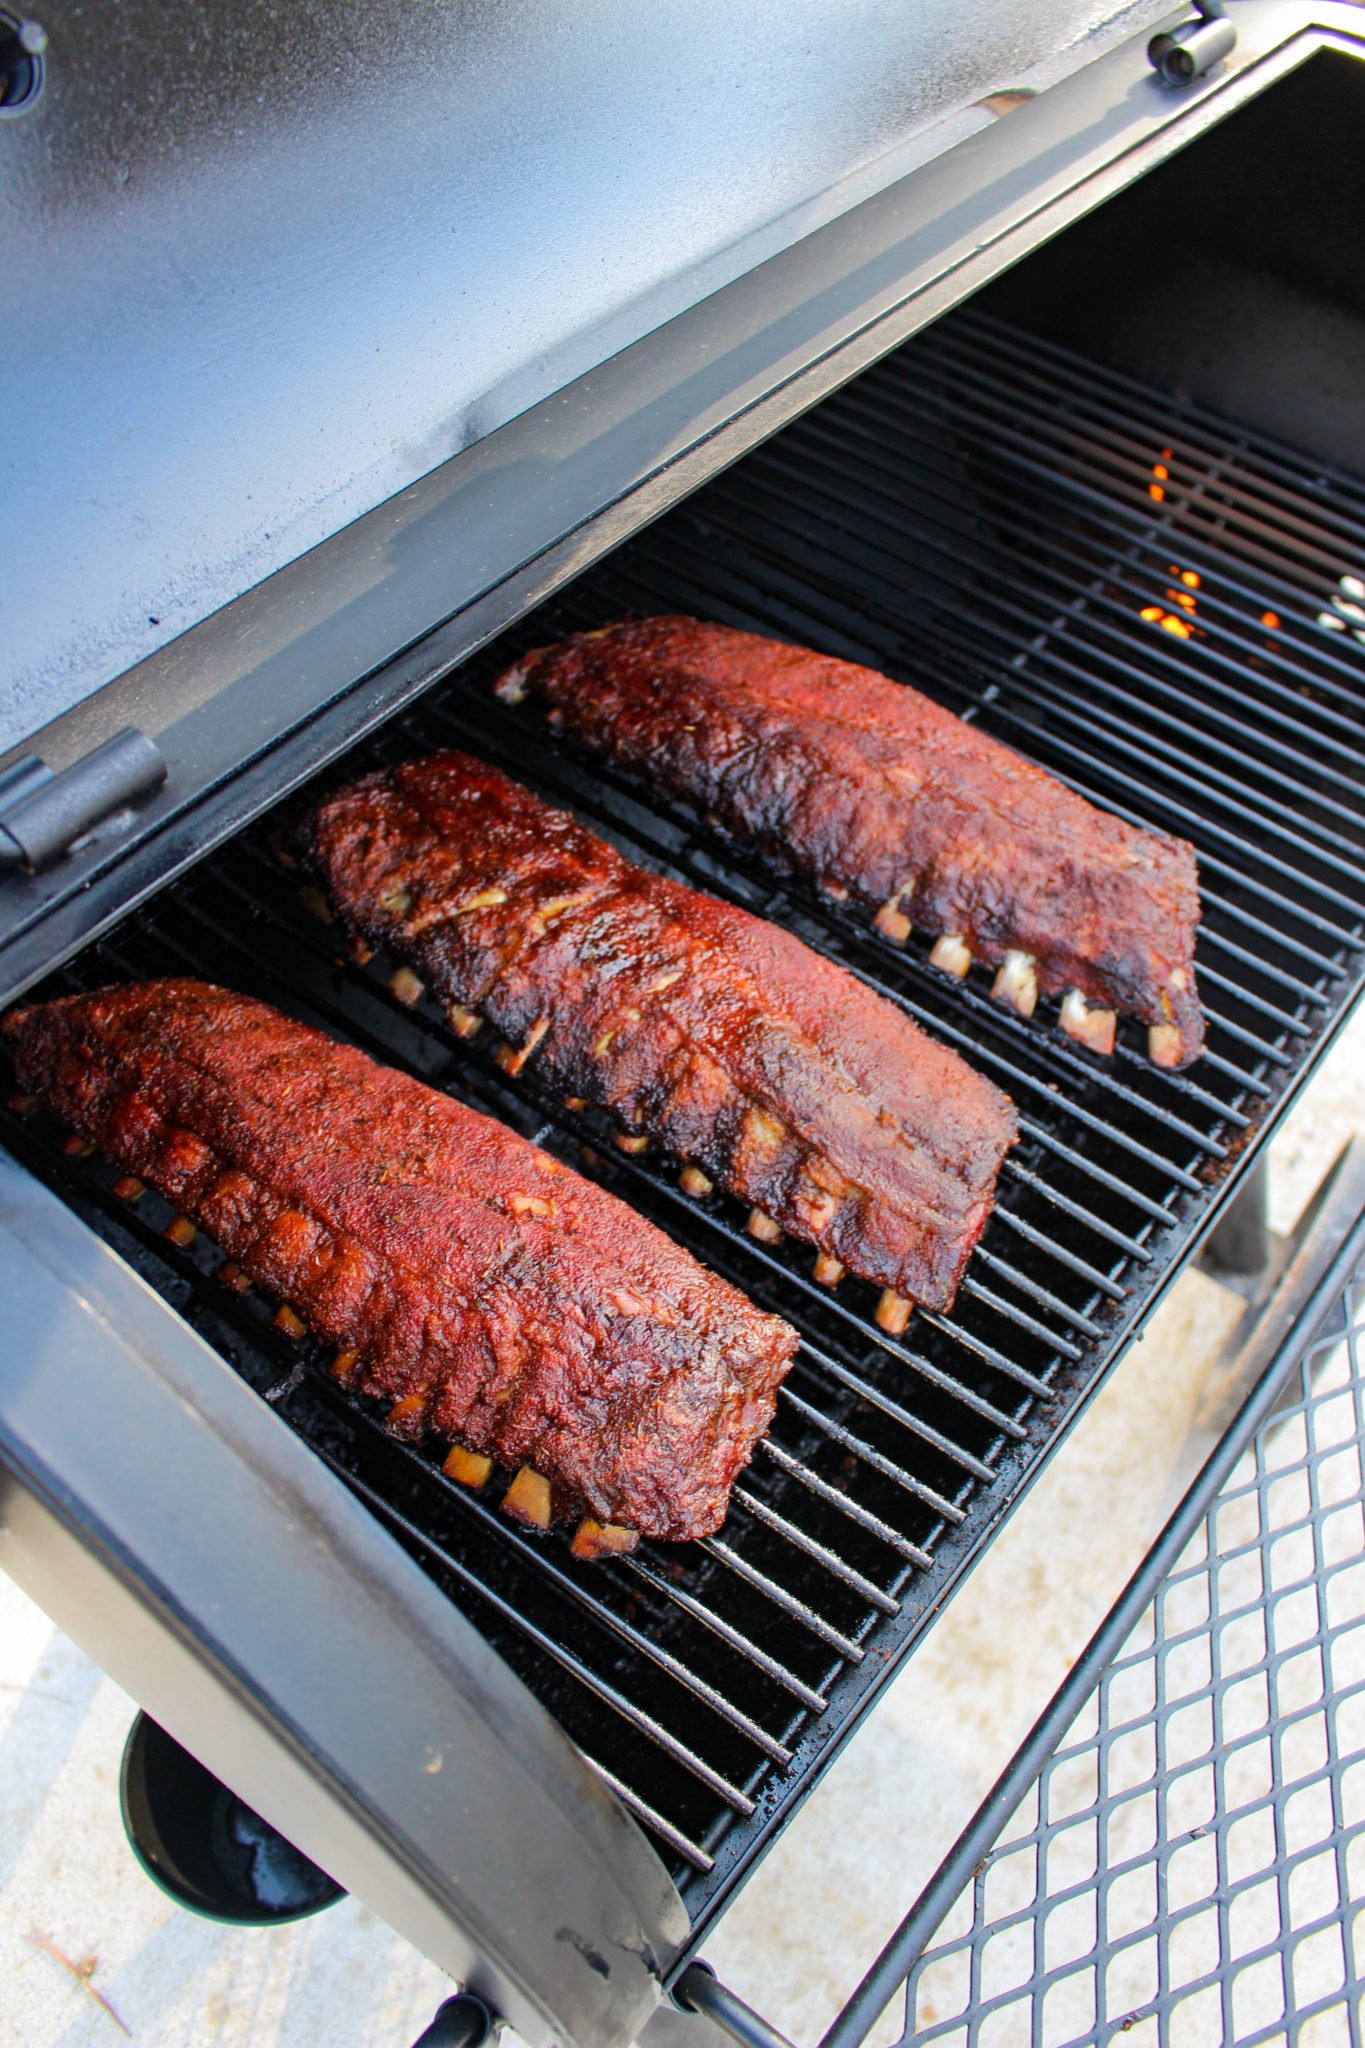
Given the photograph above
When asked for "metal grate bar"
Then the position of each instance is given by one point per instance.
(1103, 1283)
(1247, 533)
(936, 479)
(1002, 617)
(1193, 421)
(799, 1540)
(865, 1453)
(718, 1626)
(977, 1292)
(1126, 439)
(714, 1546)
(1132, 1247)
(1287, 1024)
(844, 1506)
(1158, 1211)
(875, 1397)
(650, 1816)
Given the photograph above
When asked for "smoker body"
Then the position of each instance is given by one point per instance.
(148, 1493)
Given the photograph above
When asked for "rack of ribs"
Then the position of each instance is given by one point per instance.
(490, 1294)
(726, 1041)
(876, 793)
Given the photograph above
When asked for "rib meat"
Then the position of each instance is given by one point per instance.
(498, 1297)
(766, 1067)
(875, 792)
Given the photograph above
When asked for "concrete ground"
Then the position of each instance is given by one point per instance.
(92, 1953)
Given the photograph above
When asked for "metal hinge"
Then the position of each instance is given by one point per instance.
(43, 813)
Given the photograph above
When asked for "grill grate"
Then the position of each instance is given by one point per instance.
(1091, 570)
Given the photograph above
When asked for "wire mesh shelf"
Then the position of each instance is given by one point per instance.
(1187, 1864)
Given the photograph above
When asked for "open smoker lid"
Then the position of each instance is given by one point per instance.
(265, 267)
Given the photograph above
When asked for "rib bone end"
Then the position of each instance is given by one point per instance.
(603, 1539)
(407, 1414)
(693, 1181)
(1165, 1044)
(763, 1228)
(828, 1270)
(469, 1468)
(892, 922)
(893, 1312)
(632, 1142)
(1016, 983)
(510, 687)
(405, 985)
(952, 954)
(293, 1325)
(517, 1060)
(527, 1499)
(1094, 1028)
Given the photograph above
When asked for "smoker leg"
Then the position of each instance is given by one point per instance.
(204, 1846)
(1238, 1246)
(462, 2022)
(700, 1990)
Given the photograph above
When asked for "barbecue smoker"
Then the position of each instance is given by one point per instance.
(345, 366)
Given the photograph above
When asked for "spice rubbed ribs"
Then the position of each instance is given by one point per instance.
(761, 1065)
(877, 793)
(494, 1295)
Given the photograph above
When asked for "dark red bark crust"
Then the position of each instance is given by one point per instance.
(537, 1318)
(841, 774)
(738, 1048)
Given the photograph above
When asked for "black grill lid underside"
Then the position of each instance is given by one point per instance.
(1160, 609)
